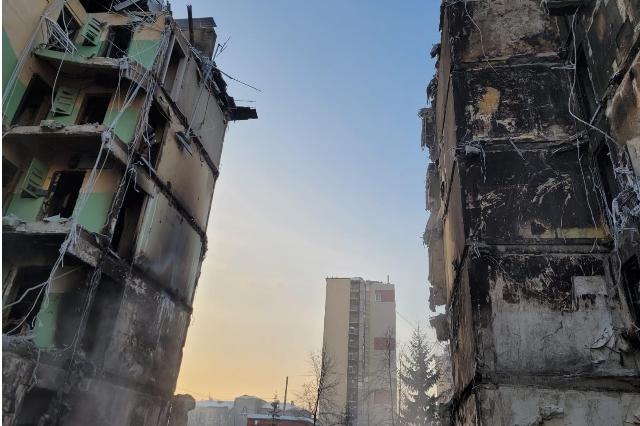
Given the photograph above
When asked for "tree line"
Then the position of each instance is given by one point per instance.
(415, 402)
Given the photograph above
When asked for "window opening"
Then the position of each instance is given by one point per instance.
(607, 176)
(586, 93)
(172, 69)
(631, 274)
(95, 6)
(34, 105)
(34, 406)
(103, 316)
(64, 315)
(19, 317)
(9, 173)
(118, 41)
(64, 193)
(157, 126)
(124, 234)
(94, 109)
(69, 25)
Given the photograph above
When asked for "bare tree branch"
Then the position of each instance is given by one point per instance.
(317, 394)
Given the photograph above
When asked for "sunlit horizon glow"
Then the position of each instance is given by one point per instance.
(329, 181)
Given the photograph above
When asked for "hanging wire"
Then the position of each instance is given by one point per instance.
(59, 37)
(26, 54)
(72, 237)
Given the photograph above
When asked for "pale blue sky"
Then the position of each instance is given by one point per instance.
(329, 181)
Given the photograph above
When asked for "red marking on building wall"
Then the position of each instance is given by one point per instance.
(382, 396)
(383, 343)
(385, 296)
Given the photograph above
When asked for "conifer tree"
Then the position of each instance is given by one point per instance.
(418, 376)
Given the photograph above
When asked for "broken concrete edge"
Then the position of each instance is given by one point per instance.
(127, 67)
(119, 151)
(599, 246)
(216, 83)
(150, 178)
(99, 255)
(88, 250)
(49, 366)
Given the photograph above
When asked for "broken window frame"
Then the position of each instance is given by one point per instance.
(10, 174)
(154, 136)
(22, 305)
(70, 24)
(57, 323)
(66, 210)
(184, 141)
(139, 197)
(87, 99)
(40, 100)
(171, 81)
(110, 46)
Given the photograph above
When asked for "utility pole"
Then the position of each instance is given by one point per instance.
(286, 386)
(399, 390)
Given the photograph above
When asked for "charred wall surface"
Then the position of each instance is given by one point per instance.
(534, 202)
(113, 127)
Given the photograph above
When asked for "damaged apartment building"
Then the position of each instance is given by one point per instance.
(114, 116)
(534, 196)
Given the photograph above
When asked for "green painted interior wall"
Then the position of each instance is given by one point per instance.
(93, 216)
(125, 127)
(14, 100)
(44, 329)
(88, 52)
(144, 51)
(9, 59)
(24, 208)
(67, 120)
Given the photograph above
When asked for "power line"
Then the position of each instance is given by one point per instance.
(405, 319)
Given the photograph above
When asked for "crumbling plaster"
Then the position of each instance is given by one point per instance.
(529, 253)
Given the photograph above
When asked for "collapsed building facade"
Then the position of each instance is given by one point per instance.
(114, 116)
(534, 139)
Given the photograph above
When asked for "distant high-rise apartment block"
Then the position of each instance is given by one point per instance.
(359, 341)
